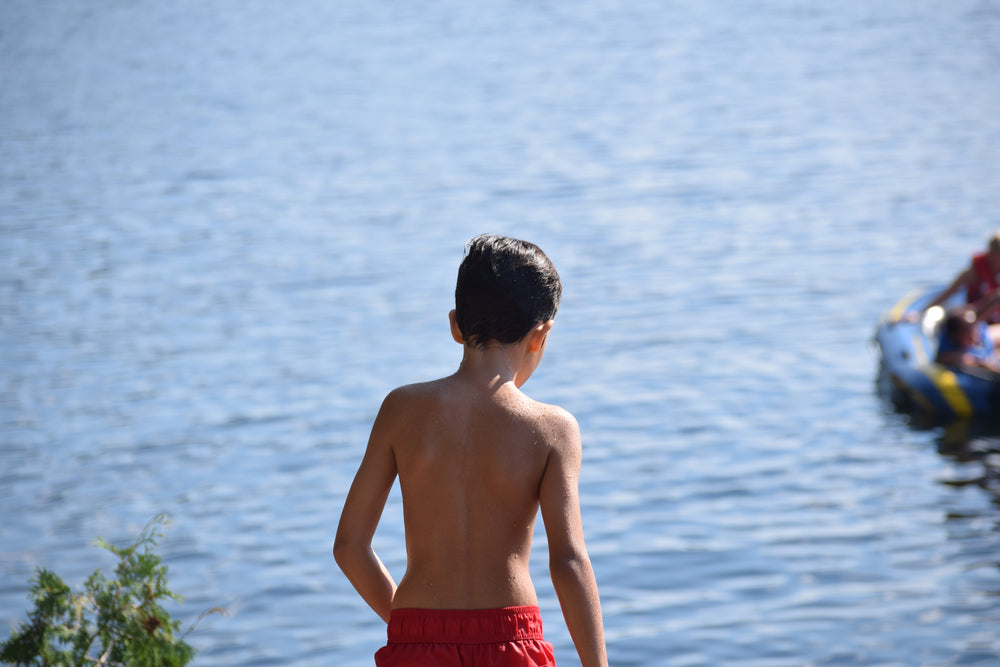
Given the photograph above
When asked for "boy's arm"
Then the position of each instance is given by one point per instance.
(569, 564)
(352, 547)
(985, 305)
(960, 281)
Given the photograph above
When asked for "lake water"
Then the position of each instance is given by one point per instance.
(227, 229)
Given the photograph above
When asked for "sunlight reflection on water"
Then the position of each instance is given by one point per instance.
(228, 233)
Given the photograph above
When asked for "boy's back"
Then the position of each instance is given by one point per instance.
(470, 462)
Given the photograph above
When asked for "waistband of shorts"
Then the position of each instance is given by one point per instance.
(465, 626)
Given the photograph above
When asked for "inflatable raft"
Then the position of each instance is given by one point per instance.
(907, 336)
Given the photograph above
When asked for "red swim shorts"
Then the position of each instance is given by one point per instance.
(508, 637)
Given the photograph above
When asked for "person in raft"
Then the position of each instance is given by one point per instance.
(981, 281)
(964, 344)
(476, 460)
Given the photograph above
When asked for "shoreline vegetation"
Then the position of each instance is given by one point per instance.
(115, 623)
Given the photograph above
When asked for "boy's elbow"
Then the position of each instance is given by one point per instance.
(343, 551)
(574, 564)
(338, 551)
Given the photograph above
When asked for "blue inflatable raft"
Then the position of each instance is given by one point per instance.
(907, 337)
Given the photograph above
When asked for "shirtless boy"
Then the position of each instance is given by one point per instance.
(476, 459)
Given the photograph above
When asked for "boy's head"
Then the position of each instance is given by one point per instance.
(993, 249)
(960, 326)
(505, 287)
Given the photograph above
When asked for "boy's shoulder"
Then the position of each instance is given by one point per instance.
(417, 391)
(552, 420)
(560, 424)
(418, 397)
(554, 423)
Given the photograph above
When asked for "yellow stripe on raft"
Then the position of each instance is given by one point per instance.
(918, 349)
(947, 383)
(897, 311)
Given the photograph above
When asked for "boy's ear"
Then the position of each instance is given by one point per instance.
(456, 333)
(537, 336)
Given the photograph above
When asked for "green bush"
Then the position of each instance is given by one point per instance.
(114, 623)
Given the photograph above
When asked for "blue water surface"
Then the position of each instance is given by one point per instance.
(227, 229)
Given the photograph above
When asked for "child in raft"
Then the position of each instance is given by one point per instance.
(476, 460)
(965, 342)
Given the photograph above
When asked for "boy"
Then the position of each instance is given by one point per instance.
(965, 343)
(476, 459)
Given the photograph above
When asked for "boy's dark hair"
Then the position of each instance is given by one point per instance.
(505, 287)
(956, 321)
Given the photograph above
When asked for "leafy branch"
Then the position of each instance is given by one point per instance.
(111, 623)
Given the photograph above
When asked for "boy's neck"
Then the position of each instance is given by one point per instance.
(496, 365)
